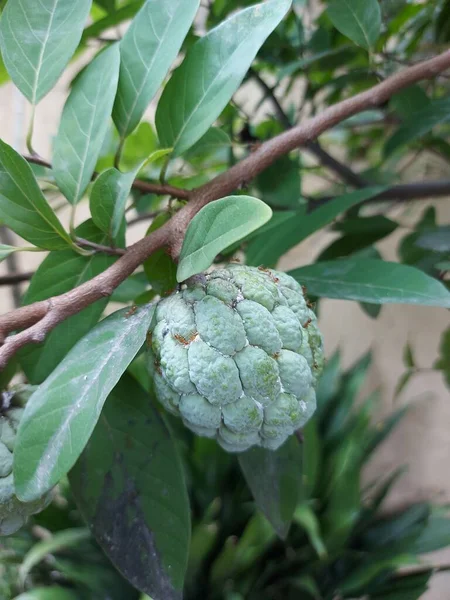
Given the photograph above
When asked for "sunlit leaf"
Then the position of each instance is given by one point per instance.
(217, 226)
(211, 72)
(61, 415)
(147, 50)
(84, 123)
(37, 40)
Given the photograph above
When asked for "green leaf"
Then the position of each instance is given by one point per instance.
(371, 310)
(108, 198)
(443, 362)
(436, 534)
(402, 383)
(67, 538)
(408, 356)
(268, 250)
(410, 100)
(37, 40)
(130, 289)
(214, 139)
(160, 269)
(370, 280)
(419, 123)
(280, 183)
(404, 587)
(364, 575)
(217, 226)
(437, 240)
(6, 251)
(84, 123)
(147, 50)
(129, 485)
(61, 415)
(211, 72)
(60, 272)
(48, 593)
(275, 480)
(359, 20)
(122, 14)
(23, 207)
(305, 517)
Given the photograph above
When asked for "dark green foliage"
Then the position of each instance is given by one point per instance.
(335, 541)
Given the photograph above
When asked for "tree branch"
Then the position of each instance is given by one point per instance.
(138, 184)
(16, 278)
(40, 318)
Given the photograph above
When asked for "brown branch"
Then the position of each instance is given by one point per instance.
(144, 186)
(42, 317)
(16, 278)
(402, 192)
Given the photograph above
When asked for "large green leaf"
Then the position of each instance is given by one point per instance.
(60, 272)
(370, 280)
(37, 40)
(359, 20)
(84, 123)
(210, 74)
(61, 415)
(217, 226)
(129, 485)
(268, 249)
(419, 123)
(147, 50)
(275, 480)
(23, 207)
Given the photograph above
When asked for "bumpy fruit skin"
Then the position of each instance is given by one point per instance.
(13, 512)
(236, 354)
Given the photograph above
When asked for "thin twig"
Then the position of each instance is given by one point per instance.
(16, 278)
(144, 186)
(39, 318)
(100, 247)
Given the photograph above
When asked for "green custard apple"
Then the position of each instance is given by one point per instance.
(236, 353)
(13, 512)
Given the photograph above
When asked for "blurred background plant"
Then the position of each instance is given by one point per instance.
(341, 543)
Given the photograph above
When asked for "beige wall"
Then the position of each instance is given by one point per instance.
(423, 439)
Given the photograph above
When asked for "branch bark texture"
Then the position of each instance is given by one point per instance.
(36, 320)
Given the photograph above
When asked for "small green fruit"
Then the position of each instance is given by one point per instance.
(236, 354)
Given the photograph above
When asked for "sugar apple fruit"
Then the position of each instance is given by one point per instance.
(13, 512)
(236, 354)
